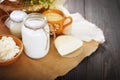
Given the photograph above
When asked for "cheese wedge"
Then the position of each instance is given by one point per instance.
(66, 44)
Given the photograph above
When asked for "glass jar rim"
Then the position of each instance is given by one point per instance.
(35, 16)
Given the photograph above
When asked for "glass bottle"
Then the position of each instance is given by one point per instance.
(35, 35)
(14, 22)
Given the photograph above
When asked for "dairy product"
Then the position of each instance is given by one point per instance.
(8, 48)
(35, 36)
(14, 22)
(82, 28)
(53, 16)
(66, 44)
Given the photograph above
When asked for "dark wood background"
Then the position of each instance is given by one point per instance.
(104, 64)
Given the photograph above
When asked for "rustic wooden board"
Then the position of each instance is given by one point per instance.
(47, 68)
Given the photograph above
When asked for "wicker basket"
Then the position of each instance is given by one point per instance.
(8, 6)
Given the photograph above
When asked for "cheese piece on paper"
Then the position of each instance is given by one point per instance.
(66, 44)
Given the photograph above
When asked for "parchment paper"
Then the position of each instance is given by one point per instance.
(47, 68)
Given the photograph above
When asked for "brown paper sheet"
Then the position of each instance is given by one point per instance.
(47, 68)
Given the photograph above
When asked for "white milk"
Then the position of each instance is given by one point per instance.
(14, 22)
(36, 41)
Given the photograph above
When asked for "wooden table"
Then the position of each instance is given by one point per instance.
(105, 63)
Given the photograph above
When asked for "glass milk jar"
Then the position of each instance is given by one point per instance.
(35, 35)
(14, 22)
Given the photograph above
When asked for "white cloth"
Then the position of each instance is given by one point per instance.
(81, 28)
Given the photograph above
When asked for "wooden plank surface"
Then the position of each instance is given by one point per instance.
(104, 64)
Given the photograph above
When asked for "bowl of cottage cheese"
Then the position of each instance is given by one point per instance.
(10, 49)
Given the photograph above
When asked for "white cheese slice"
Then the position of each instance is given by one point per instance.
(66, 44)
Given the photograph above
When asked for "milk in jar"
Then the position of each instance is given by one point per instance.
(35, 35)
(14, 22)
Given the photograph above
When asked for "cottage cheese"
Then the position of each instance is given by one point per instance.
(8, 48)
